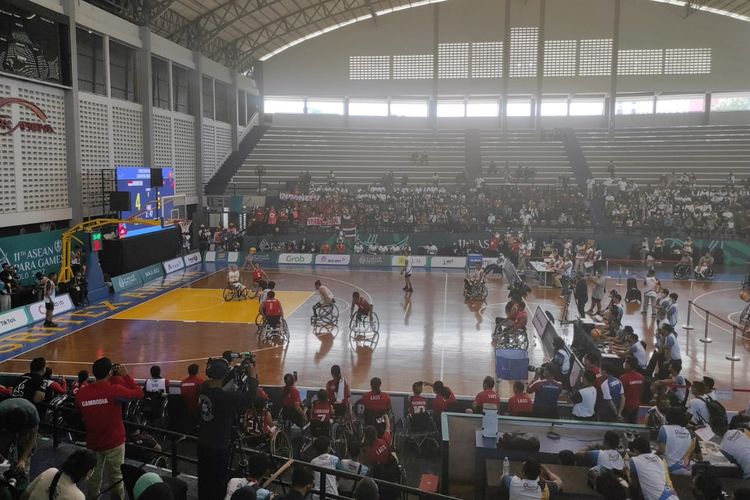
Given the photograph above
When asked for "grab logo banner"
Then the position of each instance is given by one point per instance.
(38, 310)
(448, 262)
(332, 260)
(15, 318)
(173, 265)
(192, 259)
(295, 258)
(416, 260)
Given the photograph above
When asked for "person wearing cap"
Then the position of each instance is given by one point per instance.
(217, 412)
(100, 406)
(302, 482)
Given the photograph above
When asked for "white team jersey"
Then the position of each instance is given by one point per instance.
(736, 446)
(233, 276)
(326, 295)
(653, 477)
(679, 447)
(407, 265)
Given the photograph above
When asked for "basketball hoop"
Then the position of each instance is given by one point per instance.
(184, 225)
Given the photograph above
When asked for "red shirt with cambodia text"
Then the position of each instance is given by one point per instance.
(376, 403)
(190, 389)
(321, 412)
(417, 404)
(100, 406)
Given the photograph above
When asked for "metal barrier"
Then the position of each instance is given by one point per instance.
(281, 463)
(708, 315)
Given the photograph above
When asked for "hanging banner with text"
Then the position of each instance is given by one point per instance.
(295, 258)
(324, 221)
(32, 253)
(416, 261)
(448, 262)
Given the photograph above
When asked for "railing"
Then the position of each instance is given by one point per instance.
(282, 463)
(707, 316)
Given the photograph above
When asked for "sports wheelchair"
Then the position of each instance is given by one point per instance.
(416, 430)
(328, 315)
(276, 335)
(339, 430)
(682, 271)
(708, 274)
(475, 290)
(151, 410)
(364, 326)
(251, 433)
(242, 293)
(506, 337)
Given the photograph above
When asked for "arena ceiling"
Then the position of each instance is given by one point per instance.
(237, 33)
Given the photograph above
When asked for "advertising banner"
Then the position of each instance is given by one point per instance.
(211, 256)
(448, 262)
(416, 261)
(265, 258)
(473, 259)
(295, 258)
(332, 260)
(151, 273)
(298, 197)
(192, 259)
(371, 260)
(486, 261)
(127, 280)
(15, 318)
(32, 253)
(37, 310)
(233, 257)
(324, 221)
(173, 265)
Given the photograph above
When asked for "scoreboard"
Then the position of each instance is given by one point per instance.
(145, 201)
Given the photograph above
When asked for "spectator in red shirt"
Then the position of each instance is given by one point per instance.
(325, 247)
(633, 384)
(338, 391)
(292, 402)
(190, 389)
(81, 382)
(487, 396)
(376, 402)
(444, 398)
(100, 406)
(5, 391)
(520, 403)
(417, 403)
(377, 450)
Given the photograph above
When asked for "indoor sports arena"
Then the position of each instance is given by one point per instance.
(375, 249)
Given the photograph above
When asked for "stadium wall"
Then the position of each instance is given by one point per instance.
(57, 175)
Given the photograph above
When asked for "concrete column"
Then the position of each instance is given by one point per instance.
(196, 104)
(539, 70)
(707, 109)
(146, 95)
(613, 73)
(233, 118)
(506, 70)
(435, 61)
(73, 122)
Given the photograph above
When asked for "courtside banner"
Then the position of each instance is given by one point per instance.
(474, 259)
(15, 318)
(486, 261)
(416, 261)
(371, 260)
(127, 280)
(295, 258)
(210, 256)
(151, 273)
(37, 310)
(233, 257)
(332, 260)
(265, 258)
(173, 265)
(192, 259)
(448, 262)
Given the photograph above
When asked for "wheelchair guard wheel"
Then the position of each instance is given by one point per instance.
(228, 294)
(281, 446)
(338, 440)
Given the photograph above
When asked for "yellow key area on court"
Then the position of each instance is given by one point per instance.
(207, 305)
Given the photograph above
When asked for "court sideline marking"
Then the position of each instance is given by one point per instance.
(445, 311)
(697, 312)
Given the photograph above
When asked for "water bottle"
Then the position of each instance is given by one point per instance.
(506, 467)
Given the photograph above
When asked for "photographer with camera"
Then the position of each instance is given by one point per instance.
(100, 406)
(218, 409)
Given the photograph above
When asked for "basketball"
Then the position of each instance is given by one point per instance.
(745, 295)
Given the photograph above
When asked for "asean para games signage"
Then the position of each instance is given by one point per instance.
(448, 262)
(125, 281)
(32, 253)
(15, 318)
(332, 260)
(151, 273)
(372, 260)
(416, 260)
(38, 310)
(295, 258)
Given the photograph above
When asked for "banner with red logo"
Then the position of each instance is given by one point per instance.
(324, 221)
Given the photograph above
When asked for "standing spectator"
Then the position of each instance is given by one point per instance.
(19, 423)
(100, 406)
(584, 399)
(581, 295)
(633, 384)
(61, 484)
(597, 293)
(217, 410)
(338, 391)
(672, 312)
(648, 473)
(190, 391)
(562, 360)
(546, 392)
(487, 396)
(520, 403)
(613, 399)
(30, 386)
(80, 382)
(650, 284)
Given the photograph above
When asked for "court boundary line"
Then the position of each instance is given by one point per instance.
(108, 317)
(698, 313)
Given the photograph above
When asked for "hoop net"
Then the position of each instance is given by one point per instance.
(174, 210)
(185, 225)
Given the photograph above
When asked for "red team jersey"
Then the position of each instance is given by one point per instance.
(272, 308)
(362, 304)
(632, 384)
(380, 451)
(520, 404)
(290, 396)
(190, 389)
(488, 396)
(321, 412)
(332, 387)
(257, 274)
(417, 404)
(377, 404)
(440, 404)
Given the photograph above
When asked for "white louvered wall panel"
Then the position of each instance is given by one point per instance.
(163, 147)
(95, 149)
(127, 132)
(7, 167)
(223, 142)
(184, 154)
(43, 155)
(209, 151)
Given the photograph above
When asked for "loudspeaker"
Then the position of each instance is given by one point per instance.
(119, 201)
(157, 179)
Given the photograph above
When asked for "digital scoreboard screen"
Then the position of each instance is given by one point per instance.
(145, 201)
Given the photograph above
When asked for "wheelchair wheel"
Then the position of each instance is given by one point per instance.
(281, 446)
(244, 294)
(259, 321)
(399, 435)
(339, 440)
(332, 316)
(374, 323)
(482, 292)
(228, 294)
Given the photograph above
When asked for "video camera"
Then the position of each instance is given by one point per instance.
(233, 375)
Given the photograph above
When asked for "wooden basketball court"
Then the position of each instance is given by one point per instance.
(430, 334)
